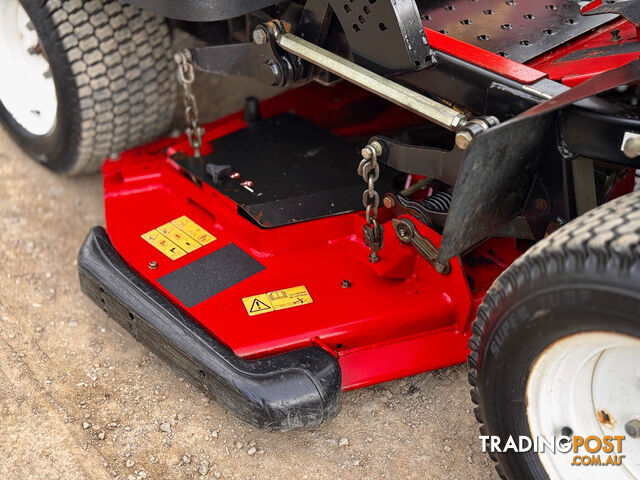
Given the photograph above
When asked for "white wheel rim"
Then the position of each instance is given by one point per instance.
(570, 383)
(27, 89)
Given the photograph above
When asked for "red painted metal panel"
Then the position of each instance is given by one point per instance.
(483, 58)
(384, 326)
(591, 54)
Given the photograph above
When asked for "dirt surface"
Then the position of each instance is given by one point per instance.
(80, 399)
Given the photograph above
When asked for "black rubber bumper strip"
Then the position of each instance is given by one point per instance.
(291, 390)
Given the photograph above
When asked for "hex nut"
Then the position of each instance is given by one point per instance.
(463, 139)
(260, 36)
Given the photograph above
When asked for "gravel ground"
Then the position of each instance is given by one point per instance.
(80, 399)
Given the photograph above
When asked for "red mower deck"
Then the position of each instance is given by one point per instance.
(383, 321)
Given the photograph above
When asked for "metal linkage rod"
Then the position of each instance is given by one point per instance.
(404, 97)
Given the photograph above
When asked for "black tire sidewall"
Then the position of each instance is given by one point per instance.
(522, 328)
(55, 149)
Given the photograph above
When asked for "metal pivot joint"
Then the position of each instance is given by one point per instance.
(472, 128)
(369, 170)
(407, 233)
(186, 76)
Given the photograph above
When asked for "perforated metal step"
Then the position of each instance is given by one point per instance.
(518, 29)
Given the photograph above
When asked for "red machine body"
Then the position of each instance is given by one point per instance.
(392, 319)
(397, 318)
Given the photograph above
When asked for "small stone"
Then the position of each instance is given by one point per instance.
(73, 323)
(186, 459)
(252, 451)
(238, 445)
(101, 435)
(214, 434)
(343, 442)
(203, 468)
(217, 474)
(85, 425)
(127, 428)
(356, 462)
(130, 463)
(447, 448)
(469, 459)
(165, 427)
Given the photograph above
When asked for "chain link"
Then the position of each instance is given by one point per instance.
(186, 76)
(369, 170)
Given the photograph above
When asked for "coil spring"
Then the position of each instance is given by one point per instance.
(439, 203)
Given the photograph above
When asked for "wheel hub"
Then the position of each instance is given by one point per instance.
(587, 384)
(27, 89)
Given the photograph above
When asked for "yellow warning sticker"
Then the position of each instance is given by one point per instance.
(178, 237)
(194, 230)
(162, 243)
(277, 300)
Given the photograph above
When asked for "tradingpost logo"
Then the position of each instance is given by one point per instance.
(590, 451)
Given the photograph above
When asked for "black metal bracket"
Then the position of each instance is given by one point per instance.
(500, 165)
(431, 162)
(261, 59)
(385, 37)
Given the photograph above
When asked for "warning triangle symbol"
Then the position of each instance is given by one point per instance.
(258, 306)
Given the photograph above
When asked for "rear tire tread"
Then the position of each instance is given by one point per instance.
(602, 240)
(120, 63)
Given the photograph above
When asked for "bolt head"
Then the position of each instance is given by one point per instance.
(277, 77)
(442, 268)
(541, 204)
(404, 234)
(389, 202)
(260, 36)
(153, 265)
(631, 147)
(632, 428)
(566, 432)
(463, 139)
(345, 284)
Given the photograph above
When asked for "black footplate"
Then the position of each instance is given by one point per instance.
(520, 30)
(285, 170)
